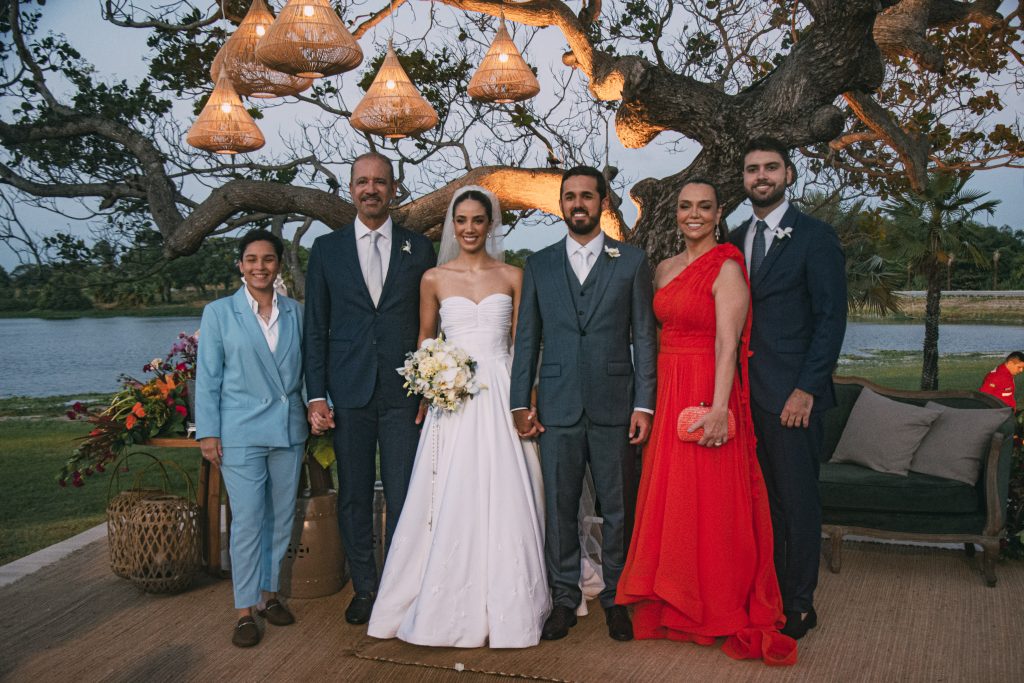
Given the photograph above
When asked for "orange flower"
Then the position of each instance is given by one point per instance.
(138, 410)
(130, 421)
(165, 385)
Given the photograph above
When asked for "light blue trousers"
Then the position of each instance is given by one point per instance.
(262, 484)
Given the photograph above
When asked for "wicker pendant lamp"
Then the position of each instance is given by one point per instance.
(224, 126)
(250, 76)
(503, 76)
(309, 40)
(393, 107)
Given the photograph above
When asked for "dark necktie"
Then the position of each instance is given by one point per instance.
(757, 250)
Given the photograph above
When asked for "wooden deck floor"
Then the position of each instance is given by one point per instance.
(894, 614)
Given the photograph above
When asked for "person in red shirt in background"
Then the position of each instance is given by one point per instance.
(999, 382)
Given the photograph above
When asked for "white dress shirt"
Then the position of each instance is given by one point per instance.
(363, 243)
(271, 330)
(772, 220)
(577, 259)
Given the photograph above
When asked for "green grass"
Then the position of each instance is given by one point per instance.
(34, 511)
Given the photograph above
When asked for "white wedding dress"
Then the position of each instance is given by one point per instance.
(466, 565)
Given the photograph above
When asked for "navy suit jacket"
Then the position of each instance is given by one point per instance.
(349, 342)
(246, 394)
(587, 366)
(798, 296)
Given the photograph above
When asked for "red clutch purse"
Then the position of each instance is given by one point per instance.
(687, 416)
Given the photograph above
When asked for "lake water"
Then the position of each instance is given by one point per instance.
(48, 357)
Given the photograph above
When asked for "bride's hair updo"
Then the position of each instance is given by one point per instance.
(476, 196)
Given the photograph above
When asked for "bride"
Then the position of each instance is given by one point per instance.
(466, 565)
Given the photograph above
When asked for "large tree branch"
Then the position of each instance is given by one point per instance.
(911, 149)
(901, 30)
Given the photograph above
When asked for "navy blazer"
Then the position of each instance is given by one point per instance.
(349, 342)
(246, 394)
(798, 296)
(587, 366)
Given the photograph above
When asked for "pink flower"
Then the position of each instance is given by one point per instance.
(182, 410)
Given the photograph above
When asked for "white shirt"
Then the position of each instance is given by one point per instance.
(772, 220)
(363, 242)
(271, 330)
(594, 247)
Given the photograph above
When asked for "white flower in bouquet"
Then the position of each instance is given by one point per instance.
(442, 373)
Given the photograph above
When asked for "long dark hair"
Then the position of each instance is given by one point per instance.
(476, 196)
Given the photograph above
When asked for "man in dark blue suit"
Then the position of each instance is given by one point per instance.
(362, 317)
(798, 295)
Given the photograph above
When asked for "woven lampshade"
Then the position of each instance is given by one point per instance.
(250, 76)
(393, 107)
(309, 40)
(224, 126)
(503, 76)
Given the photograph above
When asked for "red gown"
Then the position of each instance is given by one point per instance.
(700, 562)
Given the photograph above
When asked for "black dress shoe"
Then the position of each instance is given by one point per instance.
(359, 609)
(247, 633)
(619, 625)
(797, 626)
(276, 613)
(558, 623)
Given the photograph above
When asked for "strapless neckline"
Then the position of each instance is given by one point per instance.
(475, 303)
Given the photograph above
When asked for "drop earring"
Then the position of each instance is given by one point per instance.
(718, 232)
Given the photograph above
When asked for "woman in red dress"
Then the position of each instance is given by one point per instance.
(700, 563)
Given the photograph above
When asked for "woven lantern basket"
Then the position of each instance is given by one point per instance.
(308, 39)
(503, 76)
(393, 107)
(224, 126)
(250, 77)
(118, 511)
(164, 534)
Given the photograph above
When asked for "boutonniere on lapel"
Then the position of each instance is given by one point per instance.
(613, 252)
(782, 233)
(407, 247)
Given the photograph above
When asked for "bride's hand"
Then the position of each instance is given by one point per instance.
(421, 413)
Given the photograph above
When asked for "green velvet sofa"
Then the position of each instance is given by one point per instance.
(917, 507)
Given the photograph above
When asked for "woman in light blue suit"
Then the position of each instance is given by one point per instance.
(251, 422)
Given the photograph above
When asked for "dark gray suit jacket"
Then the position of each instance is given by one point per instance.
(348, 341)
(587, 366)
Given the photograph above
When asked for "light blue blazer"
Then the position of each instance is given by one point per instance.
(245, 394)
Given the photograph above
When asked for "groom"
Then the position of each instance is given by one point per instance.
(362, 316)
(798, 295)
(587, 298)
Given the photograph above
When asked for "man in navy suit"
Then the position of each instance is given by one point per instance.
(798, 295)
(362, 317)
(587, 298)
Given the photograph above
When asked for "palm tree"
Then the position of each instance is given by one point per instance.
(871, 278)
(937, 223)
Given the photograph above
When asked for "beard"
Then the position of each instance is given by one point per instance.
(582, 228)
(771, 199)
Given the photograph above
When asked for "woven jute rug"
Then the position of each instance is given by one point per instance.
(895, 613)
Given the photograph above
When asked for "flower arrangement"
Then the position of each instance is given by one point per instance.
(441, 373)
(138, 412)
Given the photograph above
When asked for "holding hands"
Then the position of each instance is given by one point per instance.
(527, 424)
(321, 418)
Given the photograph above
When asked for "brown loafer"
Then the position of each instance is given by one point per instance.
(246, 633)
(276, 613)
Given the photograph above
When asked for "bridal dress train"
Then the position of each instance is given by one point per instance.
(466, 565)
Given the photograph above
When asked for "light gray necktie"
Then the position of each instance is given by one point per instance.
(374, 269)
(583, 258)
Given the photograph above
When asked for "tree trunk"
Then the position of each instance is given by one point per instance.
(930, 364)
(291, 257)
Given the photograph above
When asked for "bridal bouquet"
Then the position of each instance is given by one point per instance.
(441, 373)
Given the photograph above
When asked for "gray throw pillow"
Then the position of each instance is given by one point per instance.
(883, 434)
(957, 442)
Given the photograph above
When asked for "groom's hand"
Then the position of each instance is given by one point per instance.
(639, 427)
(320, 417)
(527, 424)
